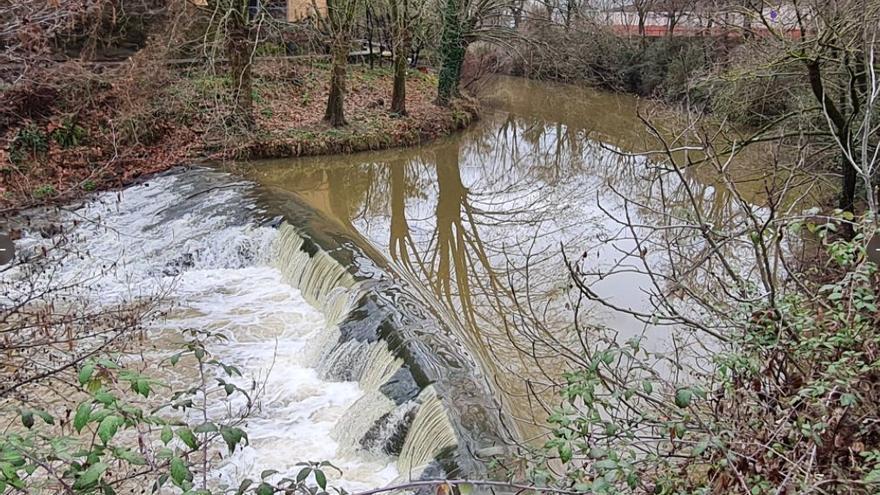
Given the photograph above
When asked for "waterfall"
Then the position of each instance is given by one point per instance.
(372, 364)
(322, 280)
(430, 434)
(394, 415)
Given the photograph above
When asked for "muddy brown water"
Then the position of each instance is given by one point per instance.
(480, 221)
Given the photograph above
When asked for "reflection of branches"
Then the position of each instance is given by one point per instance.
(401, 242)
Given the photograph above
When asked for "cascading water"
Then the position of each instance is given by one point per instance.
(378, 419)
(329, 390)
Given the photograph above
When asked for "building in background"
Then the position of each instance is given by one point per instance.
(289, 10)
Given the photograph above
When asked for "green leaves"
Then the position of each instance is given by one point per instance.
(129, 456)
(683, 397)
(186, 435)
(90, 476)
(208, 427)
(180, 474)
(232, 436)
(105, 397)
(81, 418)
(27, 417)
(114, 401)
(245, 484)
(166, 434)
(565, 453)
(85, 373)
(46, 417)
(303, 474)
(138, 383)
(321, 479)
(108, 427)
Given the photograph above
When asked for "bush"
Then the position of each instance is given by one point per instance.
(83, 414)
(69, 134)
(790, 405)
(658, 67)
(44, 191)
(28, 143)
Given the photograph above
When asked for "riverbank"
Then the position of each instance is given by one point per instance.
(128, 129)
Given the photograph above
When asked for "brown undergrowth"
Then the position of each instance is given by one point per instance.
(100, 129)
(290, 108)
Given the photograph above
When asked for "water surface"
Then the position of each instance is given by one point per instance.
(484, 221)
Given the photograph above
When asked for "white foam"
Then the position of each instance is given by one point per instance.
(269, 324)
(184, 235)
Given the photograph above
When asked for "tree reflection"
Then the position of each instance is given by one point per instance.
(480, 222)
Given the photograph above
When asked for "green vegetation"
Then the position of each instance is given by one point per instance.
(69, 134)
(88, 448)
(29, 142)
(786, 398)
(784, 406)
(44, 191)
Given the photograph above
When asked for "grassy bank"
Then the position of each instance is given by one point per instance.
(142, 120)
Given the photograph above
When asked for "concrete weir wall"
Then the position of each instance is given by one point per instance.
(425, 399)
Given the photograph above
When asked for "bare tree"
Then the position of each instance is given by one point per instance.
(338, 27)
(834, 44)
(404, 16)
(464, 22)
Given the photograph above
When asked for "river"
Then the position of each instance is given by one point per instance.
(406, 310)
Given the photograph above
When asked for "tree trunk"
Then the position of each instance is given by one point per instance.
(840, 127)
(400, 48)
(567, 19)
(517, 15)
(335, 113)
(370, 36)
(239, 54)
(398, 94)
(847, 200)
(452, 51)
(415, 56)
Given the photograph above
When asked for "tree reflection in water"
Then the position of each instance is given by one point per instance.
(480, 221)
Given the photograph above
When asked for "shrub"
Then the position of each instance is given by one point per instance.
(660, 67)
(44, 191)
(68, 134)
(790, 404)
(29, 142)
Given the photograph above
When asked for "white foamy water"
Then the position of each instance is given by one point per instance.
(193, 237)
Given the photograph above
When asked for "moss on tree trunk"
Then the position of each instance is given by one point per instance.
(401, 47)
(452, 50)
(398, 93)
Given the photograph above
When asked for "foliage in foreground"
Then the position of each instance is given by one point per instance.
(791, 405)
(87, 407)
(127, 430)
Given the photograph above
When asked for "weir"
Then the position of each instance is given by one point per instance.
(425, 400)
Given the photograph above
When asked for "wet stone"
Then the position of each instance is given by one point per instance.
(401, 387)
(389, 432)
